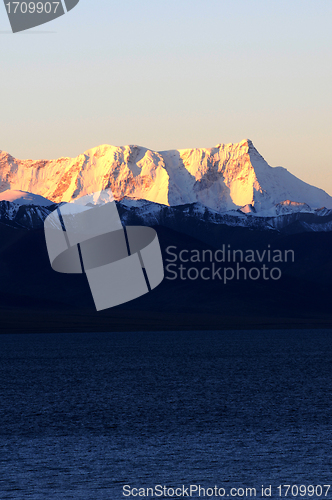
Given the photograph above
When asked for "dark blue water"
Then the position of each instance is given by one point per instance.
(82, 415)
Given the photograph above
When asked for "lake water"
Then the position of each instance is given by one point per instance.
(82, 415)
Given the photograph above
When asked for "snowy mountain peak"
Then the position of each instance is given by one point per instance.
(226, 177)
(24, 198)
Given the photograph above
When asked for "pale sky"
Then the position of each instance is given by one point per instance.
(174, 74)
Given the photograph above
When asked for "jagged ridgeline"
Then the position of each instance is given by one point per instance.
(190, 190)
(225, 178)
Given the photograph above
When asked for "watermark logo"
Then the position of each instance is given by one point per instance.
(87, 236)
(226, 264)
(25, 15)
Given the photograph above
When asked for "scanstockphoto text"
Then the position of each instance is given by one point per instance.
(263, 491)
(226, 264)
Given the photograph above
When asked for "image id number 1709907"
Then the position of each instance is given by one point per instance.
(294, 490)
(32, 7)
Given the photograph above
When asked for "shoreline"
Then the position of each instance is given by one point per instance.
(27, 321)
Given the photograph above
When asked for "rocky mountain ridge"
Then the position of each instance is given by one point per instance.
(180, 217)
(226, 177)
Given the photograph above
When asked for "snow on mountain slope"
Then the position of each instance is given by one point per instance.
(193, 216)
(282, 208)
(223, 178)
(197, 216)
(276, 185)
(24, 198)
(26, 216)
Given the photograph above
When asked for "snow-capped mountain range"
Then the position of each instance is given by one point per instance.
(191, 218)
(230, 184)
(226, 177)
